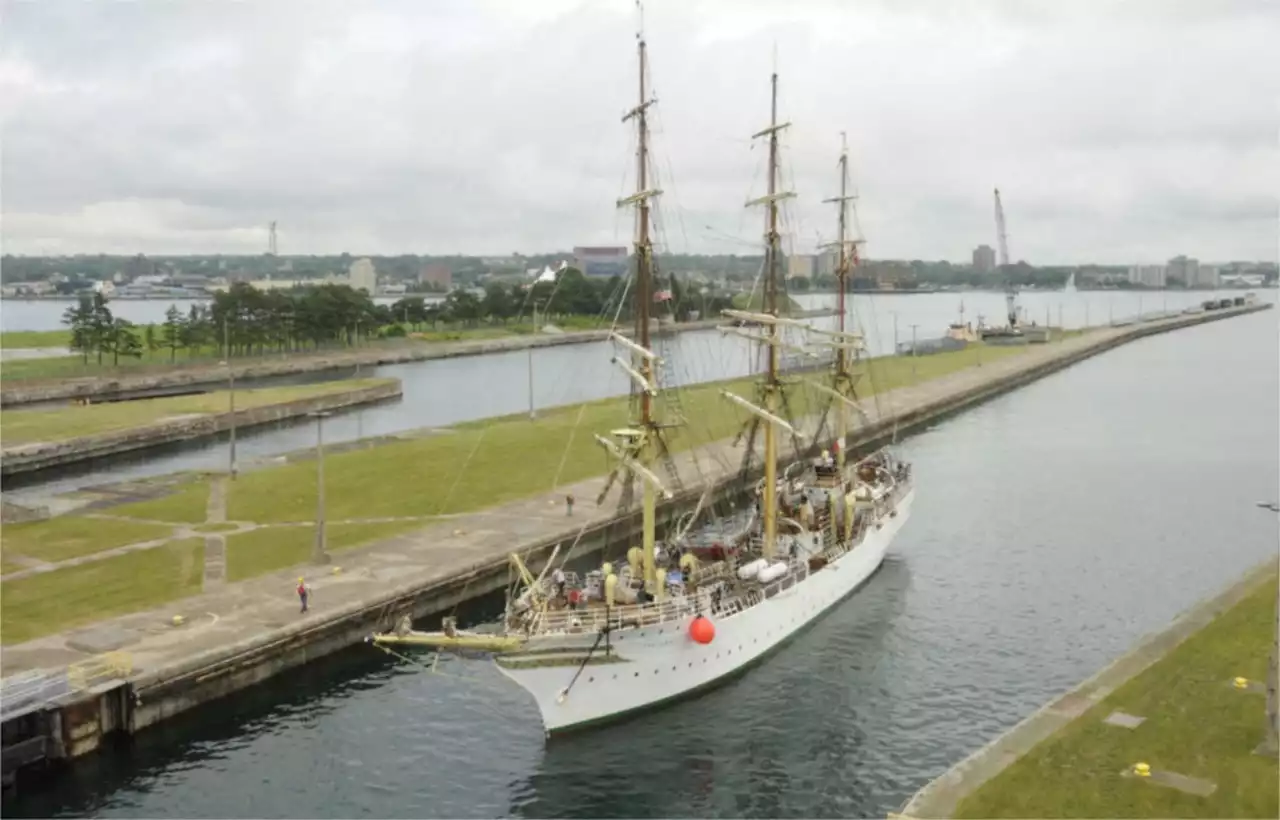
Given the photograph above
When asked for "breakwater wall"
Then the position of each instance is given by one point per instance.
(27, 458)
(169, 379)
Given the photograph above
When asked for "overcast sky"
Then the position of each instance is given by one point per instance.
(1117, 131)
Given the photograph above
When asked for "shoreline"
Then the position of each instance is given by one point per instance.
(943, 795)
(151, 670)
(57, 389)
(35, 456)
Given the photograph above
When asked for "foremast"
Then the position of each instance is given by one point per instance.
(771, 386)
(637, 447)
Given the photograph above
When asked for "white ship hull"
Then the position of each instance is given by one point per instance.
(661, 663)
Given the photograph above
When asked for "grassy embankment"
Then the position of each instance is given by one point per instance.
(1196, 725)
(22, 426)
(75, 366)
(479, 464)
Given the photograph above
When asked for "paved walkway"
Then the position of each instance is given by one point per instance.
(226, 613)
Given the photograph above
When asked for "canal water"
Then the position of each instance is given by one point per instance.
(448, 391)
(1053, 527)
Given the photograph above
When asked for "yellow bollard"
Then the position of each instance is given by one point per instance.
(1241, 683)
(178, 620)
(1142, 770)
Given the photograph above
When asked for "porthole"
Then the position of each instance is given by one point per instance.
(637, 674)
(591, 680)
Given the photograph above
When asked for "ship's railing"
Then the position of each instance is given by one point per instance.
(595, 618)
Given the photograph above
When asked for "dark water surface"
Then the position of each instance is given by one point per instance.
(1052, 528)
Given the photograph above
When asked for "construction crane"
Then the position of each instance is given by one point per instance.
(1010, 293)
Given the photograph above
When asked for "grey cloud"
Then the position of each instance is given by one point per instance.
(488, 126)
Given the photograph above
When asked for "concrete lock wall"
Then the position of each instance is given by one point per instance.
(225, 670)
(32, 457)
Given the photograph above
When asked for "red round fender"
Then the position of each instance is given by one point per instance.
(702, 630)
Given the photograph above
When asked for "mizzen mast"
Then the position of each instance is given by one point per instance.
(843, 341)
(639, 446)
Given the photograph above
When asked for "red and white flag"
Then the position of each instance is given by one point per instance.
(662, 296)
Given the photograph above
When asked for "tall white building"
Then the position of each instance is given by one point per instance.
(363, 276)
(1149, 276)
(800, 264)
(1207, 276)
(827, 262)
(1186, 271)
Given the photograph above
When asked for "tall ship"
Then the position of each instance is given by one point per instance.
(684, 612)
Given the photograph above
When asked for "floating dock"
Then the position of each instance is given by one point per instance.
(228, 641)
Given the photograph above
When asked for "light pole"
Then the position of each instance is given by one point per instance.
(318, 553)
(231, 395)
(913, 353)
(533, 413)
(895, 331)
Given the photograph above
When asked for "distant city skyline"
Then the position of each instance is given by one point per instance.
(411, 127)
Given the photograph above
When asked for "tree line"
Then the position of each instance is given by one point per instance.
(246, 321)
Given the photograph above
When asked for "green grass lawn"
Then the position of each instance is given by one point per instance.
(35, 338)
(72, 536)
(260, 551)
(485, 463)
(7, 566)
(188, 505)
(75, 366)
(21, 426)
(1196, 724)
(64, 598)
(479, 464)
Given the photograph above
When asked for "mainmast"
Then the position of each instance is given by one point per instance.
(844, 341)
(639, 445)
(771, 387)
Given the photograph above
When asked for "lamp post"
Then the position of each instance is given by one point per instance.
(318, 553)
(231, 394)
(913, 353)
(533, 413)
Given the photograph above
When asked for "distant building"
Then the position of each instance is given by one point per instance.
(827, 262)
(801, 265)
(1149, 276)
(436, 274)
(601, 261)
(363, 276)
(984, 259)
(1184, 270)
(1208, 276)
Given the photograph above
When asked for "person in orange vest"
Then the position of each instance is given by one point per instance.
(302, 594)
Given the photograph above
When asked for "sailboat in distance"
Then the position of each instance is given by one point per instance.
(674, 621)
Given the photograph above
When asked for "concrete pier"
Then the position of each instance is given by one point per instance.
(27, 458)
(249, 631)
